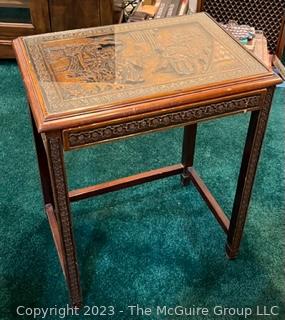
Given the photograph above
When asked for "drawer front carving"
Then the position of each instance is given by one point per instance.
(93, 134)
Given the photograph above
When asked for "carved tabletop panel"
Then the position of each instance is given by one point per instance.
(99, 68)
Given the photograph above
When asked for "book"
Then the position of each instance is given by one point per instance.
(162, 9)
(149, 9)
(148, 2)
(173, 8)
(184, 5)
(138, 16)
(157, 3)
(193, 6)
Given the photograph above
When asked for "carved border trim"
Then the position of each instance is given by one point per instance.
(62, 209)
(75, 138)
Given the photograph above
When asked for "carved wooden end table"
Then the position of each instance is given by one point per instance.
(96, 85)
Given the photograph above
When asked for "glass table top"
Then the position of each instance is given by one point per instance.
(101, 67)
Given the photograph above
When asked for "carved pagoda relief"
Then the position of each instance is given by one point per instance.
(109, 65)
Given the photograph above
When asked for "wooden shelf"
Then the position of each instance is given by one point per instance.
(15, 3)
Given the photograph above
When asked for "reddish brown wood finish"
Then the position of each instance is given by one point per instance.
(209, 199)
(175, 101)
(77, 128)
(134, 106)
(43, 167)
(55, 234)
(255, 135)
(188, 151)
(127, 182)
(62, 212)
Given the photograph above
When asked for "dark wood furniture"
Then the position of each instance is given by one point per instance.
(40, 16)
(36, 20)
(66, 15)
(91, 86)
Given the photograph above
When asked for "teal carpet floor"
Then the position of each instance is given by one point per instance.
(155, 244)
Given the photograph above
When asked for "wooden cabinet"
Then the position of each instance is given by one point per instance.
(27, 17)
(21, 18)
(81, 14)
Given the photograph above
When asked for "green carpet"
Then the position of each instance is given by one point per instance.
(155, 244)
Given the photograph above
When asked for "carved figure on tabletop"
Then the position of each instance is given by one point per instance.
(91, 61)
(184, 56)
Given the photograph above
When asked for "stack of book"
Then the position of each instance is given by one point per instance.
(156, 9)
(169, 8)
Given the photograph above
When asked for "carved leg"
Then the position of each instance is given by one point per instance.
(62, 211)
(188, 151)
(255, 135)
(43, 166)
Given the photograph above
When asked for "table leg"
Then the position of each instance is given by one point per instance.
(255, 135)
(188, 151)
(62, 211)
(43, 166)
